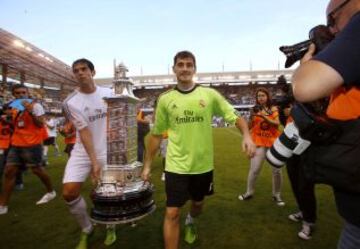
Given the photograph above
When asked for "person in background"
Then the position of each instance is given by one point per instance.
(26, 147)
(303, 190)
(69, 132)
(51, 140)
(264, 128)
(143, 128)
(163, 149)
(6, 129)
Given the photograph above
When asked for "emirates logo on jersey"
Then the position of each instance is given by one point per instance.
(202, 103)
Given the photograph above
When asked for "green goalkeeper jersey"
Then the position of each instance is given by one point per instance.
(187, 116)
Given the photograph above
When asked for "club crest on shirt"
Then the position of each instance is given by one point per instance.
(174, 106)
(202, 103)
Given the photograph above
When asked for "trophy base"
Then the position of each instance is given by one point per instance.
(123, 208)
(118, 221)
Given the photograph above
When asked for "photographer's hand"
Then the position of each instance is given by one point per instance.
(271, 120)
(309, 54)
(28, 106)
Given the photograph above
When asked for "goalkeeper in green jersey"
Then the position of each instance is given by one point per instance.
(186, 112)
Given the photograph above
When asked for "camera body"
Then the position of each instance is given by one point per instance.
(320, 35)
(8, 118)
(257, 108)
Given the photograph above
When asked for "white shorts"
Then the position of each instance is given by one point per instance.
(78, 168)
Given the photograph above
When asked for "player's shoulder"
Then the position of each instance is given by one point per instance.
(105, 91)
(166, 94)
(73, 100)
(207, 89)
(72, 97)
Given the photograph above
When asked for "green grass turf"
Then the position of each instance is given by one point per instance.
(226, 221)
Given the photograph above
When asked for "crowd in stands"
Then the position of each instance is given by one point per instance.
(49, 98)
(236, 95)
(240, 96)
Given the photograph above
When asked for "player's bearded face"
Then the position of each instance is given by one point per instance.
(184, 70)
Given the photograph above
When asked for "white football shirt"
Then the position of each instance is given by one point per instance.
(89, 110)
(51, 132)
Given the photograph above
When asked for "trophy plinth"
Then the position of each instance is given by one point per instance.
(122, 196)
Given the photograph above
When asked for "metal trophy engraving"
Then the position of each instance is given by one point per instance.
(122, 196)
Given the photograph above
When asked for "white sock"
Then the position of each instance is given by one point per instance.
(77, 208)
(45, 150)
(310, 224)
(277, 195)
(189, 219)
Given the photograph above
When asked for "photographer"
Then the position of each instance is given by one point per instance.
(302, 188)
(264, 130)
(336, 71)
(25, 147)
(68, 131)
(304, 193)
(143, 128)
(5, 136)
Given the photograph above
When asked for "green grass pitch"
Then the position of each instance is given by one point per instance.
(226, 222)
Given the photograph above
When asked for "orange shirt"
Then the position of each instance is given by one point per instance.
(70, 133)
(165, 135)
(344, 104)
(26, 133)
(140, 116)
(5, 135)
(263, 133)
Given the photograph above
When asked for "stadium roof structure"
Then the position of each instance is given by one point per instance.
(37, 66)
(211, 78)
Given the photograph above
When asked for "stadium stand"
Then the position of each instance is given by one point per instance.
(48, 78)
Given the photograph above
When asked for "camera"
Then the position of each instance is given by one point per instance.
(283, 99)
(5, 118)
(8, 118)
(309, 126)
(320, 35)
(286, 145)
(257, 108)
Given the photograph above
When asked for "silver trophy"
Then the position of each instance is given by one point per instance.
(122, 196)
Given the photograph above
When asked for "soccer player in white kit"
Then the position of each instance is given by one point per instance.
(86, 108)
